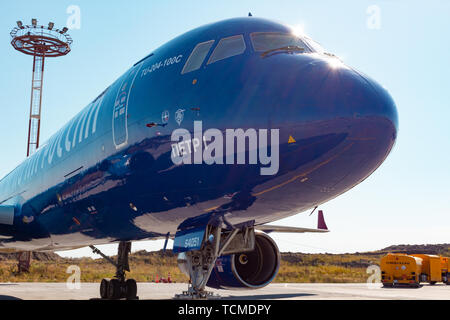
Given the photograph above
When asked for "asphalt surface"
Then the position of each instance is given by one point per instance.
(297, 291)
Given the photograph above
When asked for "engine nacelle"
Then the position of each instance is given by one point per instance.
(250, 270)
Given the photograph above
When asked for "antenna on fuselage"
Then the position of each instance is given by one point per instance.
(313, 210)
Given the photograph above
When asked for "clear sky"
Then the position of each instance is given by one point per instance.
(402, 44)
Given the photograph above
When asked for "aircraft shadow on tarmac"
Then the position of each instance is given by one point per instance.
(249, 297)
(9, 298)
(268, 296)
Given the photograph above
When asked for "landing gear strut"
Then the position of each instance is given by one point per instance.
(119, 287)
(198, 264)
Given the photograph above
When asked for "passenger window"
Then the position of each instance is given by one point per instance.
(198, 55)
(228, 47)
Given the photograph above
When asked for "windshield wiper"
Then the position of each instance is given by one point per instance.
(286, 48)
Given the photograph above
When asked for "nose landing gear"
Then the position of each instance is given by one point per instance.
(198, 264)
(119, 287)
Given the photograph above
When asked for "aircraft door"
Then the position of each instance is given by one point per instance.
(120, 110)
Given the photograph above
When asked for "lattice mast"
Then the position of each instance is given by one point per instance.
(40, 42)
(34, 125)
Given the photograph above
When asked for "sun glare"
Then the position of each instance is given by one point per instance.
(335, 63)
(298, 30)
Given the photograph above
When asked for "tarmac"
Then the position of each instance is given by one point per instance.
(277, 291)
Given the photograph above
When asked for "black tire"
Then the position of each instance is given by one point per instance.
(432, 283)
(131, 289)
(387, 285)
(114, 289)
(104, 288)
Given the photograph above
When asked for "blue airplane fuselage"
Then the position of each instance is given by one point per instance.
(109, 175)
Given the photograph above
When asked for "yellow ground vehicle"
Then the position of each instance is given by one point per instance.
(445, 268)
(400, 269)
(403, 269)
(431, 268)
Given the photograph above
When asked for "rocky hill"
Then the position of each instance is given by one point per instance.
(438, 249)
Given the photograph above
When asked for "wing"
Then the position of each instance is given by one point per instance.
(321, 227)
(283, 229)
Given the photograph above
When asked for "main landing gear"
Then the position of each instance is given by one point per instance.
(119, 287)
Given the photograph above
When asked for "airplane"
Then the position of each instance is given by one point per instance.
(206, 141)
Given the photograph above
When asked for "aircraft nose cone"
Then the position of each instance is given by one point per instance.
(338, 124)
(371, 117)
(336, 92)
(344, 93)
(366, 98)
(305, 90)
(353, 107)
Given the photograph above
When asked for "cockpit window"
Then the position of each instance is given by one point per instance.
(270, 41)
(314, 45)
(228, 47)
(198, 55)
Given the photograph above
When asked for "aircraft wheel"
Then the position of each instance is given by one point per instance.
(104, 288)
(131, 289)
(114, 289)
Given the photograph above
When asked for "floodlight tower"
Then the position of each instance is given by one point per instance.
(40, 42)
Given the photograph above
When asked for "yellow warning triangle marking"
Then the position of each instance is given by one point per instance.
(291, 140)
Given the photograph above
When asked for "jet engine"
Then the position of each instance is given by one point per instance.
(249, 270)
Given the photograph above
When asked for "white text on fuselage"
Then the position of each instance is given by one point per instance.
(161, 64)
(208, 147)
(78, 130)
